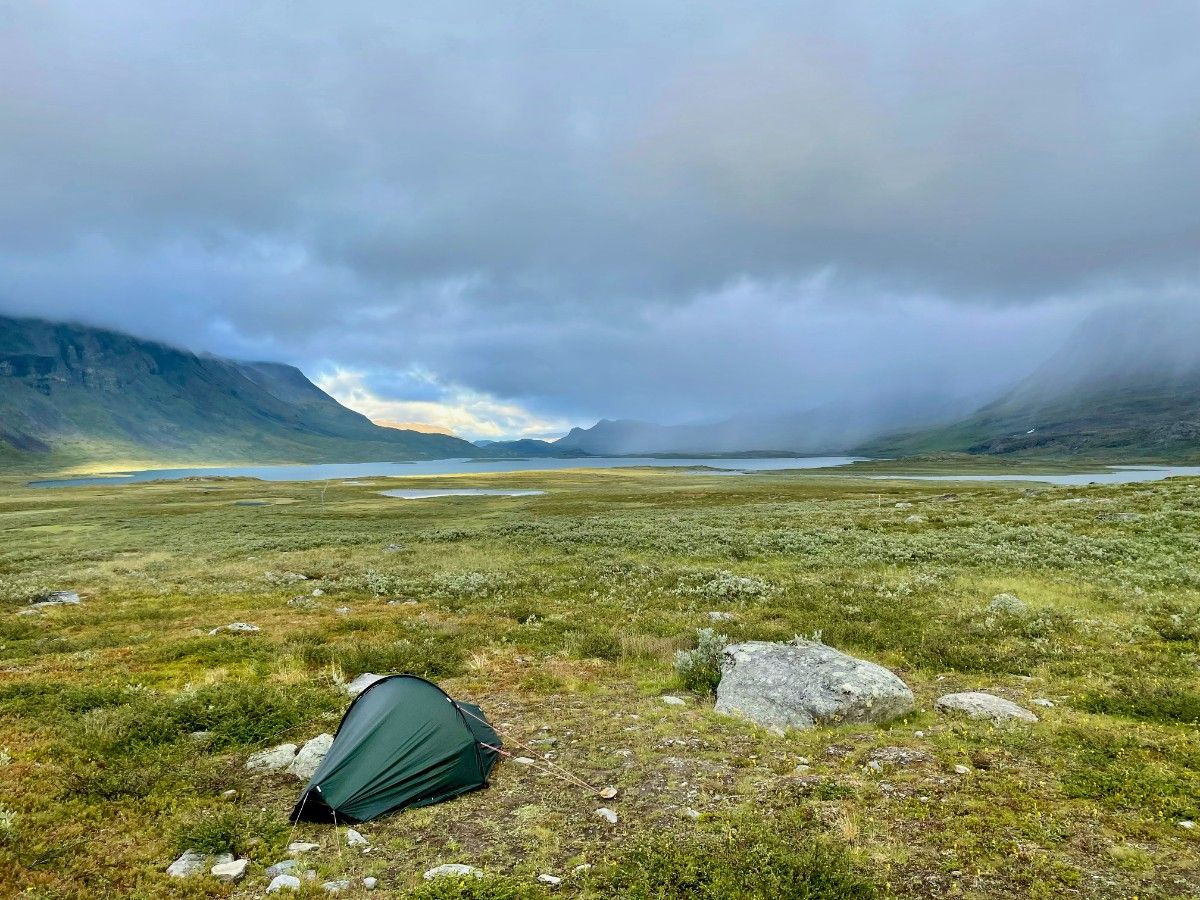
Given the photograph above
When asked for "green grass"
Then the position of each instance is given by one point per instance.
(122, 721)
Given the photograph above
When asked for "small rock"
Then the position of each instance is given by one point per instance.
(317, 592)
(903, 504)
(691, 814)
(229, 794)
(272, 759)
(552, 880)
(335, 887)
(979, 705)
(192, 862)
(297, 847)
(802, 769)
(874, 765)
(236, 628)
(354, 839)
(393, 548)
(283, 883)
(608, 793)
(803, 760)
(914, 520)
(961, 770)
(230, 871)
(1009, 604)
(342, 611)
(582, 867)
(721, 617)
(361, 683)
(283, 867)
(900, 756)
(524, 761)
(57, 598)
(457, 870)
(607, 815)
(1187, 824)
(308, 760)
(1042, 701)
(370, 883)
(673, 701)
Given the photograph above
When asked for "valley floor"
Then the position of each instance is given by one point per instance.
(122, 720)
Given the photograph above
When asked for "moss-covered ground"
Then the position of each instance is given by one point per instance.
(561, 616)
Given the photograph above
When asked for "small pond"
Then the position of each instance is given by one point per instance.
(430, 493)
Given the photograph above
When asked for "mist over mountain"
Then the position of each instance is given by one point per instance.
(1125, 385)
(831, 428)
(87, 393)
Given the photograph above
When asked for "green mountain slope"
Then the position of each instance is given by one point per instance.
(80, 393)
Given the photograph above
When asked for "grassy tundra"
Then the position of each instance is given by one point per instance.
(562, 616)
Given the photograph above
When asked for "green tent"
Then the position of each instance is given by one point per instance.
(403, 742)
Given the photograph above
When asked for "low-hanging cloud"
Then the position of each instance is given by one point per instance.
(675, 211)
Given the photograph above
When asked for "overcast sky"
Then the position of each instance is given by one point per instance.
(508, 218)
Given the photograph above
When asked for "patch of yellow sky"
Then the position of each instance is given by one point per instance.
(459, 411)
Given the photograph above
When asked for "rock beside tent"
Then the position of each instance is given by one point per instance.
(301, 762)
(806, 683)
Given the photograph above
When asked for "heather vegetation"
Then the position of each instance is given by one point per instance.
(567, 617)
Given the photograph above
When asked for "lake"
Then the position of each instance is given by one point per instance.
(327, 471)
(350, 472)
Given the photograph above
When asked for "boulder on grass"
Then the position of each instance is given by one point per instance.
(234, 870)
(806, 683)
(308, 760)
(979, 705)
(57, 598)
(273, 759)
(191, 862)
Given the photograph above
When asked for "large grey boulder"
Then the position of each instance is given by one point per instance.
(309, 759)
(979, 705)
(806, 683)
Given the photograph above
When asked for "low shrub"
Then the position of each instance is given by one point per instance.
(228, 829)
(700, 669)
(486, 888)
(749, 858)
(432, 656)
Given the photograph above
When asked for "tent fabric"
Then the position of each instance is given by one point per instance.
(403, 742)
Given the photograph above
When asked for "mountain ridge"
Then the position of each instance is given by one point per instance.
(76, 391)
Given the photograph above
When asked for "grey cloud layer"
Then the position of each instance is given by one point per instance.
(499, 190)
